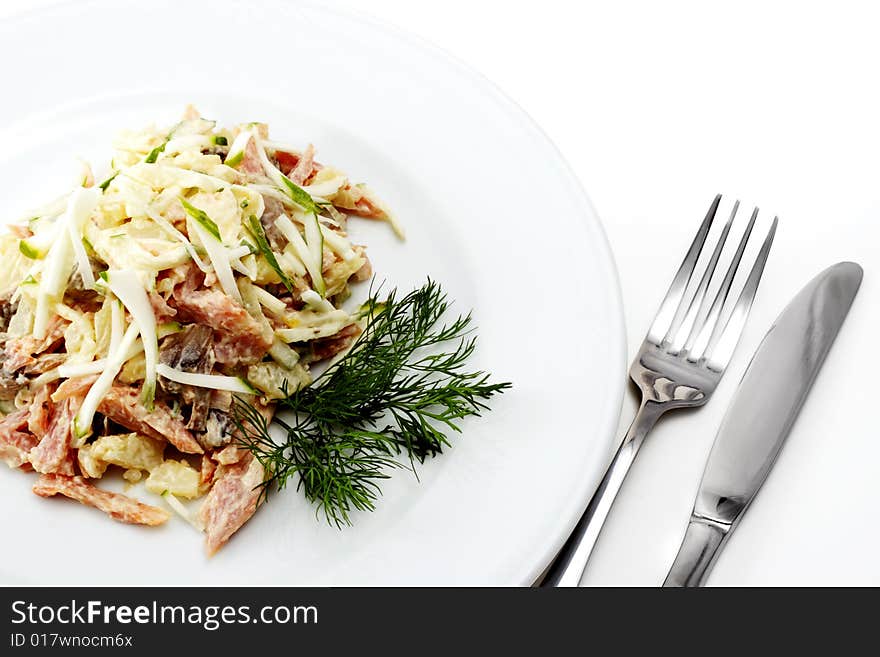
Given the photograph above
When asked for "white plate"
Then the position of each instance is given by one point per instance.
(491, 211)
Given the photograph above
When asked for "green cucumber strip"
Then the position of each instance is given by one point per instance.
(256, 229)
(300, 196)
(202, 217)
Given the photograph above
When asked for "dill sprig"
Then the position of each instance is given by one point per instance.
(388, 403)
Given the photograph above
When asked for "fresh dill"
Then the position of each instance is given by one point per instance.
(388, 403)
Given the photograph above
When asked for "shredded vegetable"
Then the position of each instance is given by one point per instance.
(207, 266)
(210, 381)
(82, 425)
(128, 288)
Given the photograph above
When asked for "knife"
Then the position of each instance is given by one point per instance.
(760, 417)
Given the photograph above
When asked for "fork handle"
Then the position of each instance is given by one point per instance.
(568, 567)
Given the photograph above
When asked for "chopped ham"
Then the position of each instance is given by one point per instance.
(21, 231)
(21, 351)
(250, 164)
(229, 455)
(39, 412)
(239, 338)
(118, 506)
(221, 399)
(52, 454)
(329, 347)
(15, 447)
(231, 350)
(15, 444)
(15, 421)
(75, 387)
(365, 273)
(44, 363)
(161, 309)
(304, 167)
(232, 501)
(273, 209)
(206, 472)
(123, 405)
(286, 161)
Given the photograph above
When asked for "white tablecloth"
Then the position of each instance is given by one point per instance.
(658, 106)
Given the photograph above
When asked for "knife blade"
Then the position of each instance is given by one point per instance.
(760, 417)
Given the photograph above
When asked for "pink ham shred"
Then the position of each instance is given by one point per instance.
(239, 338)
(76, 387)
(328, 347)
(20, 352)
(15, 444)
(287, 163)
(229, 455)
(123, 405)
(207, 470)
(39, 412)
(304, 166)
(118, 506)
(20, 231)
(231, 502)
(161, 309)
(250, 164)
(52, 454)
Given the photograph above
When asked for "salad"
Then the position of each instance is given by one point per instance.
(211, 264)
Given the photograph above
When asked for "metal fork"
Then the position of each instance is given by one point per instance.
(678, 365)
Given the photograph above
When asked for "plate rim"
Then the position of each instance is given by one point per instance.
(567, 518)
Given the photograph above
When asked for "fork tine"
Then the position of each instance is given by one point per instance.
(720, 349)
(710, 324)
(676, 335)
(669, 306)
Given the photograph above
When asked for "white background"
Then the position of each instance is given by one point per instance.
(658, 106)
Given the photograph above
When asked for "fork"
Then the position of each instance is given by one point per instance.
(679, 365)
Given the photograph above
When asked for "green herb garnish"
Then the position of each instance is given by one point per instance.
(397, 391)
(104, 185)
(202, 217)
(262, 245)
(30, 280)
(219, 140)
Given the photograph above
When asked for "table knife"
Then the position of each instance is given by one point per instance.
(761, 415)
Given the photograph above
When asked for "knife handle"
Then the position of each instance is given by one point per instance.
(696, 556)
